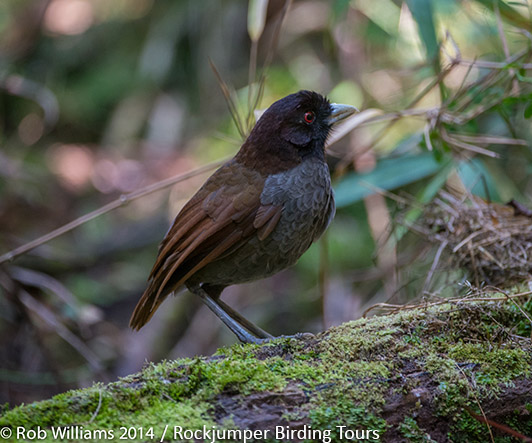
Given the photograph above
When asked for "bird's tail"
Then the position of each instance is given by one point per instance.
(146, 307)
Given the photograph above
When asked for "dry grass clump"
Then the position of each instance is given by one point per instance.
(491, 242)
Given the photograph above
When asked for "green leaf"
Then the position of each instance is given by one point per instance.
(508, 13)
(422, 12)
(478, 179)
(340, 8)
(425, 196)
(528, 110)
(390, 173)
(256, 18)
(523, 78)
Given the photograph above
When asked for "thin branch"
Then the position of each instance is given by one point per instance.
(229, 99)
(501, 427)
(484, 64)
(521, 310)
(121, 201)
(396, 308)
(251, 82)
(515, 82)
(467, 146)
(49, 317)
(432, 270)
(426, 136)
(97, 408)
(382, 133)
(493, 65)
(490, 139)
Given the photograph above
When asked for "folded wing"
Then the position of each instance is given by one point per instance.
(220, 216)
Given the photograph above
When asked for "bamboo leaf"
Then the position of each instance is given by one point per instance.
(478, 180)
(425, 196)
(422, 12)
(256, 18)
(528, 110)
(390, 173)
(507, 12)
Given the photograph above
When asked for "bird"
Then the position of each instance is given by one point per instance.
(254, 216)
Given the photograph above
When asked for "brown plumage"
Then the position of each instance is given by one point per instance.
(254, 216)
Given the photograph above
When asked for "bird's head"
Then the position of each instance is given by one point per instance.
(306, 117)
(294, 127)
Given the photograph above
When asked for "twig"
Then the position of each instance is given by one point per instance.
(276, 33)
(435, 262)
(515, 82)
(396, 308)
(467, 146)
(521, 310)
(426, 135)
(490, 139)
(49, 317)
(121, 201)
(97, 408)
(501, 427)
(467, 240)
(493, 65)
(251, 82)
(228, 94)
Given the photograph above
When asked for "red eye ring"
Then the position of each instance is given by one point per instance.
(309, 117)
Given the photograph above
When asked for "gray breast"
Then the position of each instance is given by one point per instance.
(306, 197)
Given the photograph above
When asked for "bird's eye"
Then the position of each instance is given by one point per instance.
(309, 117)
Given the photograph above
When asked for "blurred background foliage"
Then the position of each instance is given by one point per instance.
(100, 98)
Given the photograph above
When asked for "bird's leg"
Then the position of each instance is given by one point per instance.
(251, 327)
(239, 330)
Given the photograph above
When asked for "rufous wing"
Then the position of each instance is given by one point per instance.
(223, 213)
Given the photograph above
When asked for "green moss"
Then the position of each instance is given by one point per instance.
(246, 374)
(364, 341)
(466, 430)
(61, 409)
(342, 417)
(346, 375)
(523, 325)
(410, 430)
(496, 366)
(188, 413)
(441, 367)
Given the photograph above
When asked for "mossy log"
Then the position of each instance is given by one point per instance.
(431, 374)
